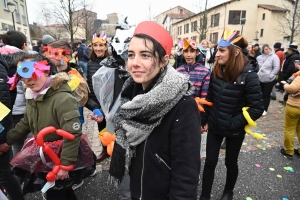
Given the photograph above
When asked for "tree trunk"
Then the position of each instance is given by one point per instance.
(293, 22)
(71, 21)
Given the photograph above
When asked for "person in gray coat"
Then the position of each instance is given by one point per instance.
(269, 65)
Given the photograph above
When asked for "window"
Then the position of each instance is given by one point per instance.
(194, 26)
(215, 20)
(186, 28)
(22, 11)
(4, 27)
(214, 37)
(261, 32)
(19, 29)
(263, 16)
(235, 16)
(17, 6)
(5, 4)
(180, 30)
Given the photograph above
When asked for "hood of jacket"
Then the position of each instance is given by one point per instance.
(56, 85)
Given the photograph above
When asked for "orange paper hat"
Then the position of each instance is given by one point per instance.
(157, 32)
(189, 43)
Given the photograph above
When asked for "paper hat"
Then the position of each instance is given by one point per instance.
(229, 37)
(200, 48)
(157, 32)
(189, 43)
(180, 44)
(33, 69)
(99, 38)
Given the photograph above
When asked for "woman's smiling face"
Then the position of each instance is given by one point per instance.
(142, 64)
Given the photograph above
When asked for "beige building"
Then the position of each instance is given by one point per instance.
(20, 17)
(59, 32)
(177, 12)
(259, 21)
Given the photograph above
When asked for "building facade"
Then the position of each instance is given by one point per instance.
(20, 17)
(259, 23)
(181, 11)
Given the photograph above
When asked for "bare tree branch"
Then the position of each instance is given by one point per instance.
(289, 22)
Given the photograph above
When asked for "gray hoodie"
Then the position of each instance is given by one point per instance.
(20, 102)
(269, 66)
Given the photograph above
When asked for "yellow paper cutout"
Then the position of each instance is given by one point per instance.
(3, 111)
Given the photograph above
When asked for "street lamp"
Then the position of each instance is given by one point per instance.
(12, 8)
(243, 21)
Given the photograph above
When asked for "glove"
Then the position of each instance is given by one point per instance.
(97, 112)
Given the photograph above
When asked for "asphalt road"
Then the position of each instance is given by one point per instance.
(258, 183)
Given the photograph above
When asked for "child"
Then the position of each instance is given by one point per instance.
(49, 102)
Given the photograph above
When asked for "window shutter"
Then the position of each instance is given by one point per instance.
(243, 16)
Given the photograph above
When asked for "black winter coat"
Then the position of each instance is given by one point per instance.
(167, 164)
(225, 116)
(92, 67)
(5, 99)
(288, 67)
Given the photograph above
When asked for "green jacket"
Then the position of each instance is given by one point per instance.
(54, 106)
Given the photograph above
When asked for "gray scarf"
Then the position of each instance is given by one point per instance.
(138, 116)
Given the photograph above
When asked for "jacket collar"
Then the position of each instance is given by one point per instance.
(55, 86)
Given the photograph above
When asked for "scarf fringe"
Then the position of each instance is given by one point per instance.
(114, 181)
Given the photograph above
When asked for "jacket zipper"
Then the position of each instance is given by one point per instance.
(143, 170)
(161, 160)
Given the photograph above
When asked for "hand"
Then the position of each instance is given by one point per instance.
(297, 65)
(96, 118)
(204, 128)
(283, 82)
(4, 148)
(62, 174)
(97, 115)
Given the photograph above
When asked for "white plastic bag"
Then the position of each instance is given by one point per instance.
(103, 85)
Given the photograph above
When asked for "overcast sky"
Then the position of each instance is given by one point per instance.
(136, 10)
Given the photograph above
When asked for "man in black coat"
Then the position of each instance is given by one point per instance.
(7, 179)
(257, 51)
(288, 68)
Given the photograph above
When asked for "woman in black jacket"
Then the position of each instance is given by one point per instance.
(158, 125)
(233, 85)
(99, 53)
(7, 179)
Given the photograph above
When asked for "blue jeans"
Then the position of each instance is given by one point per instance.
(83, 65)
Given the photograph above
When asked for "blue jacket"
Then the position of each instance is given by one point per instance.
(83, 53)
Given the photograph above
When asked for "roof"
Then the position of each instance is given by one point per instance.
(55, 25)
(167, 11)
(272, 8)
(176, 16)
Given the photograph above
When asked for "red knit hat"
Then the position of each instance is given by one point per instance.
(157, 32)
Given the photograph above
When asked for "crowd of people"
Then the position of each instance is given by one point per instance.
(144, 93)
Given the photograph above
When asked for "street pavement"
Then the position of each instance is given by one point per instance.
(265, 174)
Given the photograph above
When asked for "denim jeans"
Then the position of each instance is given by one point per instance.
(83, 66)
(8, 180)
(233, 146)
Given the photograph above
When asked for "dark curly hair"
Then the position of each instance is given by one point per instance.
(14, 38)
